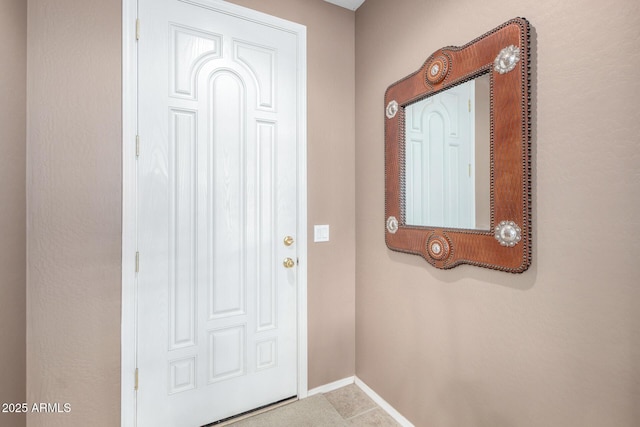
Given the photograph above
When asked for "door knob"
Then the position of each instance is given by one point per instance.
(288, 241)
(288, 263)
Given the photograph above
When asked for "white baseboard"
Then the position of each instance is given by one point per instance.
(383, 404)
(331, 386)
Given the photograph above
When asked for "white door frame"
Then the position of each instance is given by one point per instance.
(129, 196)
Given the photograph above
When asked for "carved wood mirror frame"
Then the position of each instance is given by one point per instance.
(504, 54)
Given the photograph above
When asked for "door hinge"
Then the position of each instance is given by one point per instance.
(135, 384)
(469, 170)
(469, 105)
(137, 145)
(137, 262)
(137, 29)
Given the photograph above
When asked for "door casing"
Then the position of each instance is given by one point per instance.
(129, 196)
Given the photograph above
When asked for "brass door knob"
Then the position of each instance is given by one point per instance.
(288, 241)
(288, 263)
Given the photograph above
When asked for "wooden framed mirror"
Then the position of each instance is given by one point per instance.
(458, 155)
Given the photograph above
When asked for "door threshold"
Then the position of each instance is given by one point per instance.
(257, 411)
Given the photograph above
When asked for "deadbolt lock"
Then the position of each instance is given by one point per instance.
(288, 241)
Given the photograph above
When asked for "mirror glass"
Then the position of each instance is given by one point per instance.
(447, 158)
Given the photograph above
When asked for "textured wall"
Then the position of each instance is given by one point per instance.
(13, 50)
(331, 181)
(560, 344)
(74, 198)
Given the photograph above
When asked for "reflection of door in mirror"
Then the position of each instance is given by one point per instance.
(446, 180)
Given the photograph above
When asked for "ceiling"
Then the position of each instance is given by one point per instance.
(348, 4)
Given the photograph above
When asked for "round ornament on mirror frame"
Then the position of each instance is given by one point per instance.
(507, 233)
(392, 224)
(507, 59)
(438, 247)
(392, 109)
(437, 69)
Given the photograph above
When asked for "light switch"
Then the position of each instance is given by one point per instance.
(321, 233)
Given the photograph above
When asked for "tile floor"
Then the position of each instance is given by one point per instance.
(345, 407)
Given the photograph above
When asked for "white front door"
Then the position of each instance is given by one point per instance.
(217, 188)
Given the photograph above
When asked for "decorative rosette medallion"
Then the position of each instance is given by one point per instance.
(392, 224)
(438, 247)
(508, 233)
(392, 109)
(437, 69)
(507, 59)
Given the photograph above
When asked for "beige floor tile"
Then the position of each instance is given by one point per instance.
(314, 411)
(375, 417)
(350, 401)
(347, 406)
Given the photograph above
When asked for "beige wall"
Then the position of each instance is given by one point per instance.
(560, 344)
(13, 51)
(74, 199)
(331, 180)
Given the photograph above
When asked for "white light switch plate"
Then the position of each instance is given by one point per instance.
(321, 233)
